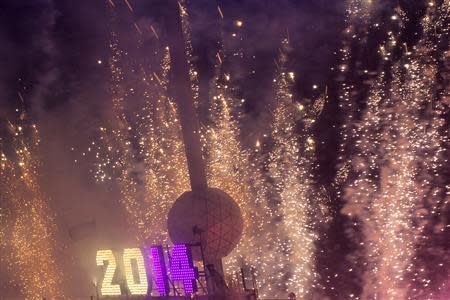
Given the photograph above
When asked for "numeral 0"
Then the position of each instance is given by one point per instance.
(135, 288)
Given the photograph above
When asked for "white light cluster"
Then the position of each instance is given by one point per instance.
(135, 288)
(107, 288)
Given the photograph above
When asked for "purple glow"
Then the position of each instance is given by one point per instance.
(182, 267)
(159, 270)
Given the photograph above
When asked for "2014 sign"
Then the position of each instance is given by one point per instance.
(149, 259)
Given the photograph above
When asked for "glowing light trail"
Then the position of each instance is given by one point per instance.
(30, 250)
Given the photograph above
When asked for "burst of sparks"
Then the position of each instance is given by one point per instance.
(395, 189)
(166, 174)
(291, 166)
(226, 159)
(239, 172)
(147, 155)
(193, 74)
(29, 251)
(358, 14)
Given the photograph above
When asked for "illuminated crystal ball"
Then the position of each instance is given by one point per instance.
(210, 215)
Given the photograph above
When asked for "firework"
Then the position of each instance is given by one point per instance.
(28, 235)
(291, 166)
(166, 166)
(145, 157)
(397, 154)
(227, 161)
(359, 13)
(186, 28)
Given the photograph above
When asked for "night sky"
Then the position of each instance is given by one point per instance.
(55, 66)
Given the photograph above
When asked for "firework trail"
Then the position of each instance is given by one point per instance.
(161, 159)
(264, 252)
(291, 166)
(166, 166)
(118, 161)
(145, 157)
(28, 235)
(239, 172)
(424, 84)
(397, 157)
(359, 13)
(186, 28)
(351, 74)
(227, 161)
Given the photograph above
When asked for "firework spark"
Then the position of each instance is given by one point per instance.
(359, 13)
(145, 157)
(291, 166)
(28, 238)
(227, 161)
(396, 159)
(166, 166)
(186, 28)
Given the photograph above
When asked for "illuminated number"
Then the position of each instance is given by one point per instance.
(159, 270)
(140, 287)
(182, 268)
(108, 289)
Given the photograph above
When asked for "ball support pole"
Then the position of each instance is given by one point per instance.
(183, 95)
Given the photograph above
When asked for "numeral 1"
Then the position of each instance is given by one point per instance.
(159, 270)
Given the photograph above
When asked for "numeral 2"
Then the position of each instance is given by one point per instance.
(107, 288)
